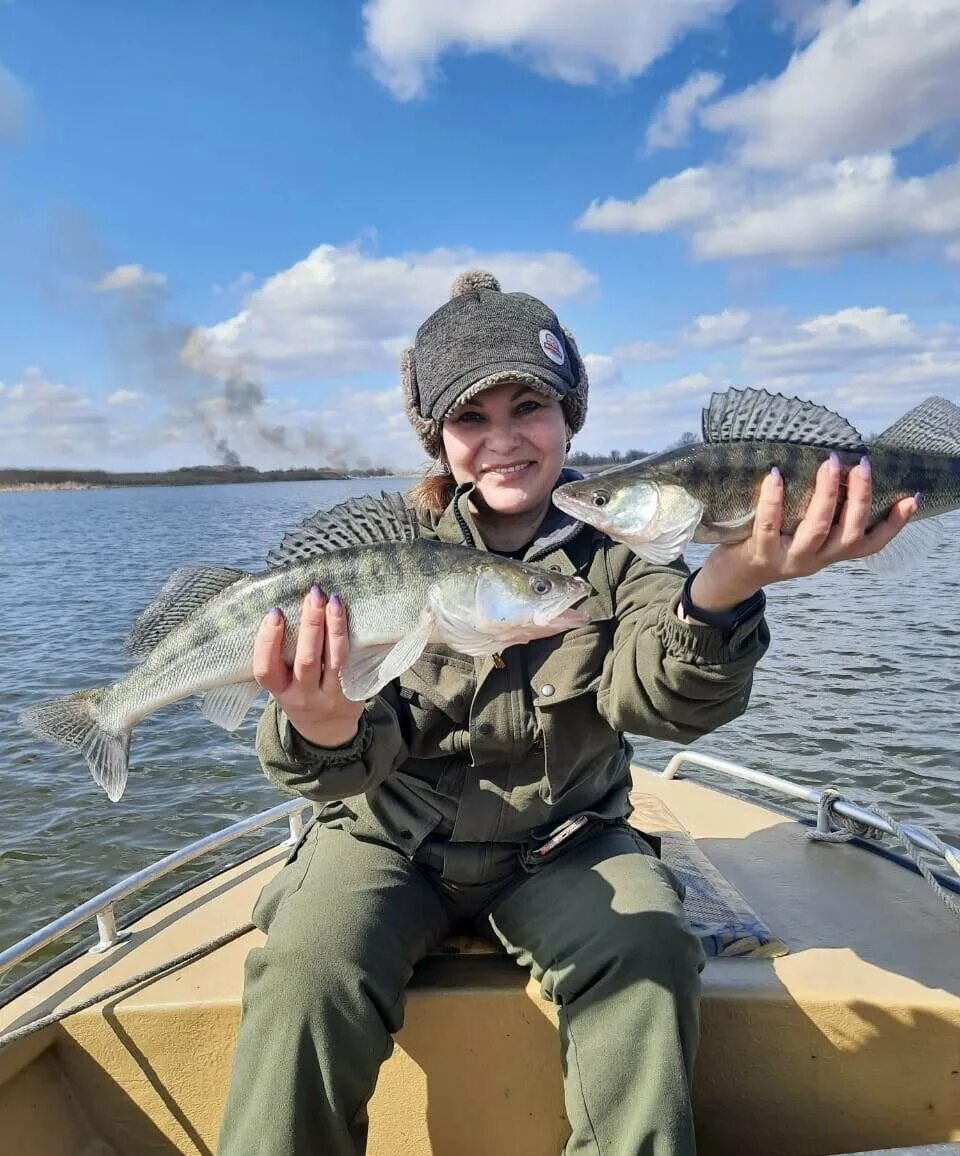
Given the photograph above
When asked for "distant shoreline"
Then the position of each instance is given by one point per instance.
(31, 481)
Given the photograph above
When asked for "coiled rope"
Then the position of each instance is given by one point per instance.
(835, 828)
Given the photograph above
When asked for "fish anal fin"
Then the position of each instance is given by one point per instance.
(361, 521)
(915, 541)
(932, 427)
(370, 668)
(757, 415)
(183, 593)
(227, 706)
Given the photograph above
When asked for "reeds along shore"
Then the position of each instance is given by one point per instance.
(30, 480)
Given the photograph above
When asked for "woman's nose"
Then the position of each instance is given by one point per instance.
(501, 435)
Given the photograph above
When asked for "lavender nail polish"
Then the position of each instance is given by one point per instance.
(835, 460)
(318, 594)
(917, 499)
(275, 615)
(775, 474)
(865, 468)
(335, 602)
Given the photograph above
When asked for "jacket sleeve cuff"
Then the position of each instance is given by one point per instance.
(318, 758)
(702, 645)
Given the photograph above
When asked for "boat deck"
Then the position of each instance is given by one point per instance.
(851, 1041)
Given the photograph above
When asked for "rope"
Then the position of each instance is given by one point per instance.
(852, 829)
(125, 985)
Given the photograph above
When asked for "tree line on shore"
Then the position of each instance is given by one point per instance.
(184, 476)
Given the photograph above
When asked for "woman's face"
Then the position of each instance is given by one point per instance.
(510, 441)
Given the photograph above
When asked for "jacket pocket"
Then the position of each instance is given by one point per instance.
(437, 693)
(289, 879)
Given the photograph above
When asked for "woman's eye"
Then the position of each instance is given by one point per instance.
(468, 417)
(540, 585)
(526, 407)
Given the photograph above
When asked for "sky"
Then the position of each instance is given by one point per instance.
(220, 225)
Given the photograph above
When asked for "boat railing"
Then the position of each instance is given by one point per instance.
(871, 820)
(102, 907)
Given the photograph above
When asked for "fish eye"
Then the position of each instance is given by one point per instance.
(599, 498)
(541, 585)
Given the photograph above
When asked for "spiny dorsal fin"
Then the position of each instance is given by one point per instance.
(357, 522)
(755, 415)
(185, 591)
(932, 427)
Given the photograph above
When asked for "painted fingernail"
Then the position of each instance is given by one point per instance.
(336, 603)
(318, 595)
(834, 461)
(775, 474)
(917, 499)
(275, 616)
(865, 467)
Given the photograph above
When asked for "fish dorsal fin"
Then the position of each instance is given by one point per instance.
(932, 427)
(357, 522)
(185, 591)
(753, 415)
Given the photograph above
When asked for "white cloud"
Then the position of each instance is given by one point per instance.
(341, 311)
(646, 417)
(13, 105)
(43, 422)
(602, 370)
(129, 279)
(830, 343)
(673, 201)
(123, 397)
(876, 78)
(673, 120)
(858, 204)
(237, 285)
(953, 252)
(714, 330)
(568, 39)
(645, 352)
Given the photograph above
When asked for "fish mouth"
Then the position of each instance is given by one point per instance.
(572, 616)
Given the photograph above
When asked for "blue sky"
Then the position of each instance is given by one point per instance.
(219, 227)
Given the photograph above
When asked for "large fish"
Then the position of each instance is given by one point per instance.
(401, 592)
(708, 492)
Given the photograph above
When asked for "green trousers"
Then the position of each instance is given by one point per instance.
(599, 922)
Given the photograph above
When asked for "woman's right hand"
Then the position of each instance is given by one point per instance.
(309, 692)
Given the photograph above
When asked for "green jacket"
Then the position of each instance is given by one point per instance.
(459, 748)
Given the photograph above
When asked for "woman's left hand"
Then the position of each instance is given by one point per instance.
(734, 572)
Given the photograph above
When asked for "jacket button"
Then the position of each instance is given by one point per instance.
(548, 690)
(485, 728)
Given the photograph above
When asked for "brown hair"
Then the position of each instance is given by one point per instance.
(433, 493)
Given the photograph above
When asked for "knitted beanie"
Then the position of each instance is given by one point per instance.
(480, 338)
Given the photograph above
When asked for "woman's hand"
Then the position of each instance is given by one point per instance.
(733, 573)
(309, 693)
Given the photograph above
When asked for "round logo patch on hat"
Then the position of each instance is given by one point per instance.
(550, 344)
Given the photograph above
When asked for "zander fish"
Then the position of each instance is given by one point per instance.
(401, 592)
(708, 492)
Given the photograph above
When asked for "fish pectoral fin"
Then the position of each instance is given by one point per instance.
(670, 543)
(370, 668)
(227, 706)
(916, 540)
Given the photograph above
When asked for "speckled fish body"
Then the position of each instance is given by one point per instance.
(708, 492)
(400, 592)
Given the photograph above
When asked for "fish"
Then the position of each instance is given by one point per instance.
(401, 592)
(708, 491)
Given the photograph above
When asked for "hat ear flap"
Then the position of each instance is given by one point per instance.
(426, 429)
(575, 402)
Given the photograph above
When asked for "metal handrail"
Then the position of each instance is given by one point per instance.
(101, 907)
(916, 835)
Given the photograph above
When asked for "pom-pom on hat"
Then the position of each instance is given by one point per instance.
(480, 338)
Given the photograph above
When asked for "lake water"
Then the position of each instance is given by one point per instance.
(860, 688)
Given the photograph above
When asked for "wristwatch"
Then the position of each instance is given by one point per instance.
(724, 620)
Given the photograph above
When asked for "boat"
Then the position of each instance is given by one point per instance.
(830, 1013)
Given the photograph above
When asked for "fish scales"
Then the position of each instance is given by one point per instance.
(709, 492)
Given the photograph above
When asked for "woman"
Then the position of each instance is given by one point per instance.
(497, 790)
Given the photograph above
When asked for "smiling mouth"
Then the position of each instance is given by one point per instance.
(507, 471)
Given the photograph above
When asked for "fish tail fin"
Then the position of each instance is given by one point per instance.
(73, 721)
